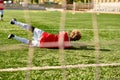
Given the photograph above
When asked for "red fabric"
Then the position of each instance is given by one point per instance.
(1, 4)
(48, 40)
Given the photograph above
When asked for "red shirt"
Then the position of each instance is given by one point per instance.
(1, 4)
(48, 40)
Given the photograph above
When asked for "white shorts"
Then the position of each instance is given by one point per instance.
(36, 37)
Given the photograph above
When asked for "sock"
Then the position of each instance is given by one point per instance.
(23, 25)
(23, 40)
(1, 15)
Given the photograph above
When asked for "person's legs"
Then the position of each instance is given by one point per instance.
(23, 40)
(36, 33)
(1, 14)
(34, 43)
(22, 25)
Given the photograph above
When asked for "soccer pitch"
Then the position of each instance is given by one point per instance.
(14, 54)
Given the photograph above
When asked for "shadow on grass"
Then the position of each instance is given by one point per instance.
(86, 48)
(21, 46)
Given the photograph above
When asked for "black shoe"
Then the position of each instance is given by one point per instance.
(13, 21)
(11, 36)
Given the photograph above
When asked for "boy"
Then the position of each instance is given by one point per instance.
(1, 9)
(44, 39)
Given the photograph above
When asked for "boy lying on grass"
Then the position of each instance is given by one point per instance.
(44, 39)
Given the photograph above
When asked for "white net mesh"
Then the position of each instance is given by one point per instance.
(63, 63)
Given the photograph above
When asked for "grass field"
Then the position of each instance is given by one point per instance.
(14, 54)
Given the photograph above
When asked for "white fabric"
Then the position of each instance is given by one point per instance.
(23, 25)
(23, 40)
(37, 34)
(36, 37)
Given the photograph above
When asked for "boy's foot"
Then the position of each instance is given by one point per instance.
(11, 36)
(13, 21)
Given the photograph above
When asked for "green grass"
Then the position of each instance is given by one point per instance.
(14, 54)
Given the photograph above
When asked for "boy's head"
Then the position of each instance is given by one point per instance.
(75, 35)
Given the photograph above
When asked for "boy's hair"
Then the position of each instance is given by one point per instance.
(75, 35)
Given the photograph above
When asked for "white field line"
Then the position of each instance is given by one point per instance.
(58, 67)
